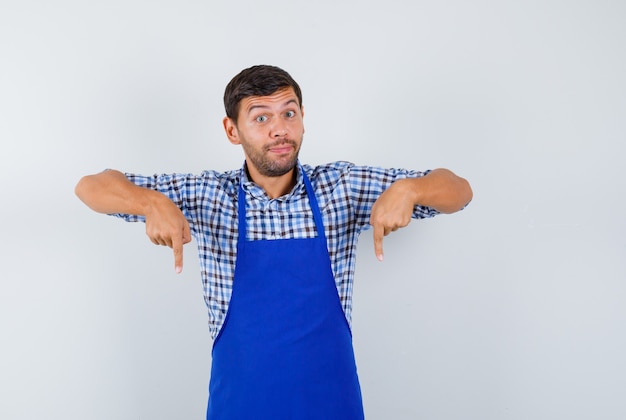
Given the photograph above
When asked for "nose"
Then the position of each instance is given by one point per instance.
(279, 129)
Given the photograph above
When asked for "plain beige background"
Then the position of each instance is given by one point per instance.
(511, 309)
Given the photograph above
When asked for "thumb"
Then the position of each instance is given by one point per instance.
(379, 234)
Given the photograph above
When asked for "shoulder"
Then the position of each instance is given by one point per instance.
(224, 178)
(334, 173)
(327, 172)
(350, 172)
(227, 181)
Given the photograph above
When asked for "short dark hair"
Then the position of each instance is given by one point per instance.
(261, 80)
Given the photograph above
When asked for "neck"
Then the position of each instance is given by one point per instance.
(274, 186)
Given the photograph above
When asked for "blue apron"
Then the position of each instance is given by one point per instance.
(285, 349)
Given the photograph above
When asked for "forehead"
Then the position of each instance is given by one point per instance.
(280, 98)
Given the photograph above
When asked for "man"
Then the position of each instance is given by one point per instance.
(276, 241)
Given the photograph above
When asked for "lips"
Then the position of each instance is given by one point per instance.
(281, 148)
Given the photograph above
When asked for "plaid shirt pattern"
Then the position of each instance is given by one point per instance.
(345, 194)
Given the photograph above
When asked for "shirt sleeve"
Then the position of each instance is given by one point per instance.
(367, 183)
(181, 189)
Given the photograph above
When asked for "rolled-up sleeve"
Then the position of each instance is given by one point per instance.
(368, 183)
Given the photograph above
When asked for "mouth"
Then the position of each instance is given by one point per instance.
(282, 148)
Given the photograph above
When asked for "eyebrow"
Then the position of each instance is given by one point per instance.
(290, 101)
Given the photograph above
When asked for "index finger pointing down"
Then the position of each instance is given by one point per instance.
(379, 234)
(177, 246)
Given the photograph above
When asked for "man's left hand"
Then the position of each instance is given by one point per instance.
(392, 210)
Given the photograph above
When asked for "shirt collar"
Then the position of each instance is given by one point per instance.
(259, 193)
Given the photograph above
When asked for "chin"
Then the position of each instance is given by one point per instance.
(279, 170)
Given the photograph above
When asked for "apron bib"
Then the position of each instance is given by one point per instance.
(285, 349)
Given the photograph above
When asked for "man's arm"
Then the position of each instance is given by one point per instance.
(111, 192)
(440, 189)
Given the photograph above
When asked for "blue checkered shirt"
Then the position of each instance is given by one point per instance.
(345, 194)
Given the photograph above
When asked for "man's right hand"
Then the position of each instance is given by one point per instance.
(166, 225)
(110, 192)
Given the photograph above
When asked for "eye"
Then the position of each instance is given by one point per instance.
(290, 114)
(261, 118)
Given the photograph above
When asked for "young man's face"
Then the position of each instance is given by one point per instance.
(270, 130)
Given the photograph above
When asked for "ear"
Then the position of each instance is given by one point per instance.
(231, 130)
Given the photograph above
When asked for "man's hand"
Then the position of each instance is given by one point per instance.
(440, 189)
(392, 210)
(110, 192)
(166, 225)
